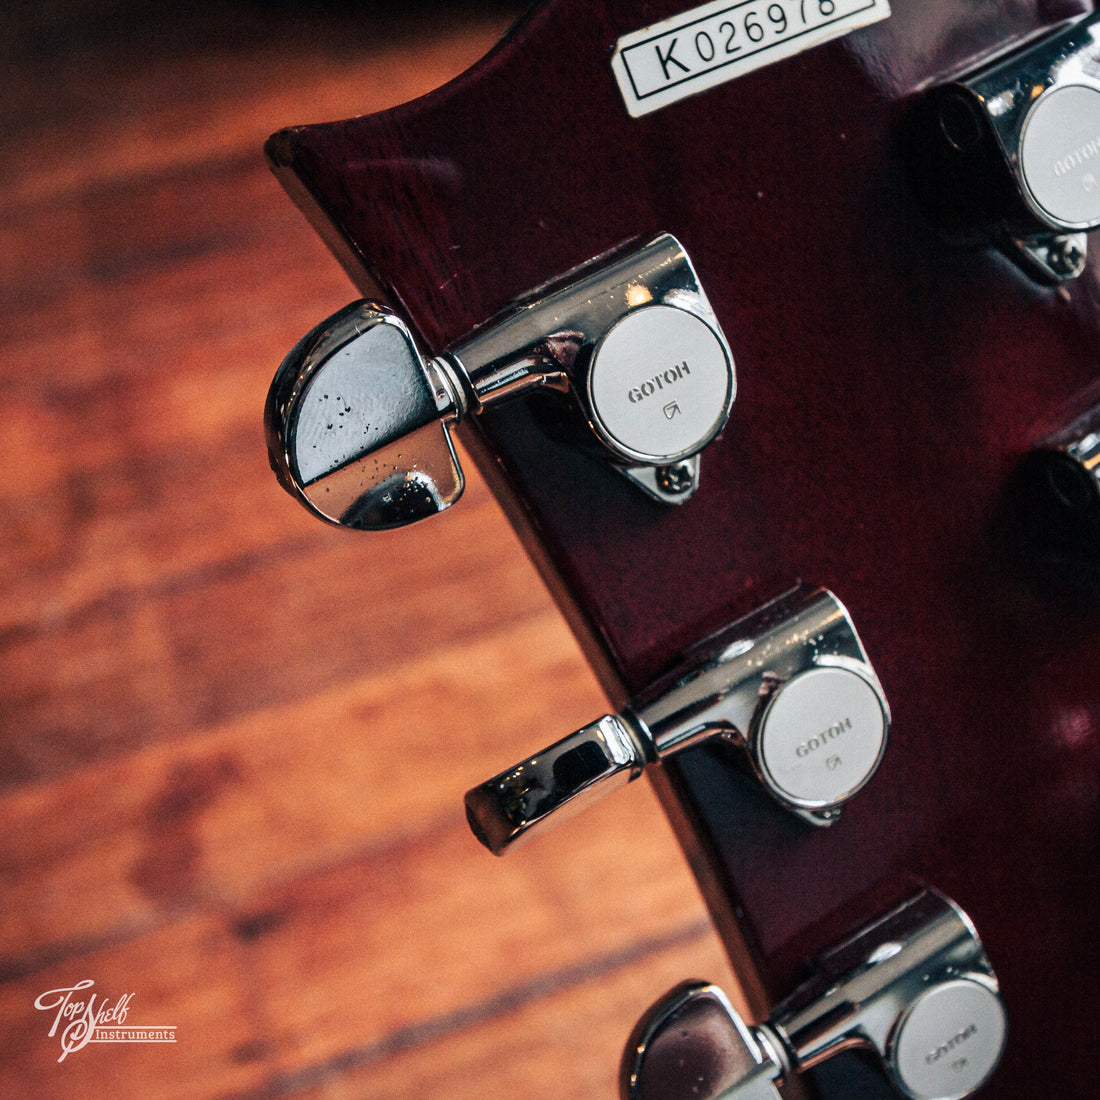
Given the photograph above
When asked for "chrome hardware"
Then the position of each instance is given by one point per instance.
(790, 686)
(1015, 145)
(914, 986)
(358, 422)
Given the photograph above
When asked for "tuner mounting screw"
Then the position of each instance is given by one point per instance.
(676, 478)
(1066, 256)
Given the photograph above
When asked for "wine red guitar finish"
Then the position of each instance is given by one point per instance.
(889, 384)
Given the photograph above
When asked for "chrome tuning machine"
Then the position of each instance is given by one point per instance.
(358, 422)
(914, 986)
(1014, 148)
(789, 686)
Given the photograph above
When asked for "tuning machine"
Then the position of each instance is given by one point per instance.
(358, 421)
(1013, 147)
(789, 687)
(914, 986)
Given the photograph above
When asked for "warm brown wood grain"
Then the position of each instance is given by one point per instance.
(233, 743)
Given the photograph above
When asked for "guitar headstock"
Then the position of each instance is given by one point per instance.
(887, 238)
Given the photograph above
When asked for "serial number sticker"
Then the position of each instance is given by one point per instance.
(709, 45)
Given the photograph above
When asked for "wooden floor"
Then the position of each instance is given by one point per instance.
(233, 742)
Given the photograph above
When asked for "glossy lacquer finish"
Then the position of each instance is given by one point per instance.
(889, 383)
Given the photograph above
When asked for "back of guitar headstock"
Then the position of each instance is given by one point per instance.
(892, 374)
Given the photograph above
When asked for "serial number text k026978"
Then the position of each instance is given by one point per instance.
(716, 42)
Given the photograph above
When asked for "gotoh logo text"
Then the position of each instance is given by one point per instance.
(82, 1021)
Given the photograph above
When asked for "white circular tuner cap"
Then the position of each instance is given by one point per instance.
(1060, 155)
(949, 1041)
(821, 737)
(661, 384)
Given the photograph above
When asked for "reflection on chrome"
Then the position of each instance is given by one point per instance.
(789, 687)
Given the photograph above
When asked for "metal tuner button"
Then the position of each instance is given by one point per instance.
(914, 986)
(693, 1045)
(789, 687)
(358, 421)
(1014, 146)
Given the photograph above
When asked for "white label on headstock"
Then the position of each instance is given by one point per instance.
(716, 42)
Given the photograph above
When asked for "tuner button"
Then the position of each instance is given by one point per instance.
(693, 1046)
(1059, 147)
(949, 1041)
(661, 385)
(355, 423)
(561, 780)
(821, 736)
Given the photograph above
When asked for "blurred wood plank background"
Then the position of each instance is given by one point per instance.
(233, 742)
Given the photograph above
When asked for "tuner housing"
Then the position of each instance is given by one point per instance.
(1007, 152)
(632, 343)
(791, 690)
